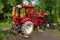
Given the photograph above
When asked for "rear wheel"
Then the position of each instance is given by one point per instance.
(27, 28)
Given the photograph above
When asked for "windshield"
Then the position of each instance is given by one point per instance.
(21, 12)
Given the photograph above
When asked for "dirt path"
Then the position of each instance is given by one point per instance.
(46, 35)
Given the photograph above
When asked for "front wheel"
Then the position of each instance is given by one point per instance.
(14, 28)
(27, 27)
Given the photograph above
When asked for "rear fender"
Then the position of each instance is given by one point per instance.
(25, 19)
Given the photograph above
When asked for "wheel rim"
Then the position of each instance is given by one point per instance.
(29, 29)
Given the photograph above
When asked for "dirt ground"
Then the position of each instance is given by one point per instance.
(46, 35)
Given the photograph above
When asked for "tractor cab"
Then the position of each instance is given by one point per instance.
(22, 12)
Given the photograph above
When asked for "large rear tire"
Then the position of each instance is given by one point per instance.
(27, 28)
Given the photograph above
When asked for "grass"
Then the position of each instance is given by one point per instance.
(35, 32)
(58, 19)
(4, 24)
(3, 34)
(56, 32)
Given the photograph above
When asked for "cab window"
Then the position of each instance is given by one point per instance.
(22, 12)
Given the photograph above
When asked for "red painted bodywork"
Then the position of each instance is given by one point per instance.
(27, 6)
(36, 20)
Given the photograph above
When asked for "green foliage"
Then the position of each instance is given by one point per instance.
(6, 23)
(19, 1)
(37, 8)
(58, 29)
(11, 2)
(3, 34)
(51, 7)
(1, 6)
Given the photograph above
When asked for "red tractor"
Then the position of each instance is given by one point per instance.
(25, 19)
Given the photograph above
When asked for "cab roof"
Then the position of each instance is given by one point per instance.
(25, 6)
